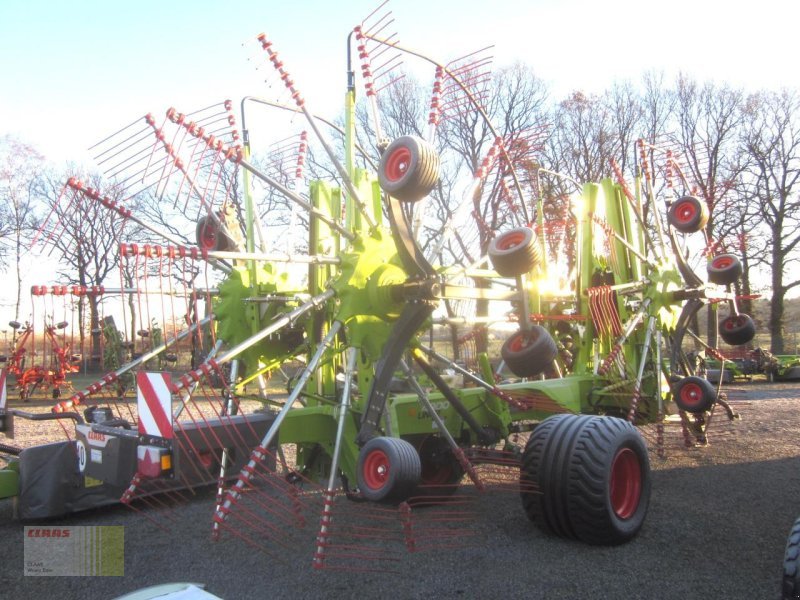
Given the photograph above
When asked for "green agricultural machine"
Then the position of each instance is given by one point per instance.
(593, 290)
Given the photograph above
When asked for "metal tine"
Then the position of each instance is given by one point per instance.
(127, 163)
(145, 134)
(390, 83)
(374, 12)
(393, 63)
(116, 133)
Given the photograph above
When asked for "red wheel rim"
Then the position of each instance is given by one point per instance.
(208, 236)
(520, 341)
(722, 262)
(376, 469)
(510, 240)
(685, 211)
(397, 164)
(691, 395)
(626, 483)
(732, 323)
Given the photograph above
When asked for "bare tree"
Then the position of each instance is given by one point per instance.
(707, 119)
(771, 140)
(87, 236)
(20, 167)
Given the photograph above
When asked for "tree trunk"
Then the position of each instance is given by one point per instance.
(776, 308)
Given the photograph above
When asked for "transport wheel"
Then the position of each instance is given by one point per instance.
(586, 478)
(791, 564)
(688, 214)
(514, 252)
(388, 469)
(528, 353)
(409, 169)
(737, 329)
(724, 269)
(694, 394)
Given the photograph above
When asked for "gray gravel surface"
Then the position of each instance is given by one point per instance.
(717, 527)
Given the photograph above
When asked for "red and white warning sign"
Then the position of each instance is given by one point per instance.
(154, 400)
(3, 389)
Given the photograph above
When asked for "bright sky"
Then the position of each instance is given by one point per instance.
(77, 70)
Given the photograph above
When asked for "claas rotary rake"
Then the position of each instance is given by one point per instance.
(594, 286)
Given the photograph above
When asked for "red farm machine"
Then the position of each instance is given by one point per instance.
(363, 312)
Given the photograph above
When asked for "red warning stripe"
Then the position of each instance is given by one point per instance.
(154, 405)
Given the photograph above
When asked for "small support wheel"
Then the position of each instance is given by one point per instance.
(724, 269)
(694, 394)
(736, 330)
(515, 252)
(587, 478)
(688, 214)
(528, 353)
(211, 235)
(409, 169)
(389, 470)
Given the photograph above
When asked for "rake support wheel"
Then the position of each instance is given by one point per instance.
(737, 329)
(388, 469)
(688, 214)
(586, 478)
(694, 394)
(409, 169)
(528, 353)
(515, 252)
(211, 235)
(724, 269)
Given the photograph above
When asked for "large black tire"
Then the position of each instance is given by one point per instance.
(737, 329)
(211, 235)
(441, 472)
(388, 470)
(528, 353)
(791, 564)
(409, 169)
(724, 269)
(515, 252)
(694, 394)
(587, 478)
(688, 214)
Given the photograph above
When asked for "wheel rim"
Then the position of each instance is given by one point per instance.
(520, 341)
(510, 240)
(376, 469)
(722, 262)
(685, 211)
(733, 323)
(626, 483)
(397, 164)
(691, 395)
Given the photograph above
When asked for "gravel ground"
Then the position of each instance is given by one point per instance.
(717, 527)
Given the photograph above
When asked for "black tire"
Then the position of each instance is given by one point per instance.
(528, 353)
(736, 330)
(791, 565)
(587, 478)
(688, 214)
(388, 470)
(440, 470)
(515, 252)
(694, 394)
(724, 269)
(409, 169)
(211, 235)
